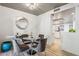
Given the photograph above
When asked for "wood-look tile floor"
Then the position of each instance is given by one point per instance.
(51, 52)
(55, 50)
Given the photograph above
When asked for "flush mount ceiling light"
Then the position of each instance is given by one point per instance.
(32, 5)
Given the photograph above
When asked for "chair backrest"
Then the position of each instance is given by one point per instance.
(43, 44)
(41, 36)
(24, 36)
(22, 47)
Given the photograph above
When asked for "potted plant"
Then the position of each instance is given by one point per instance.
(72, 30)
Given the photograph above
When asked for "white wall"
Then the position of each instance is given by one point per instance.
(7, 22)
(45, 25)
(45, 22)
(70, 41)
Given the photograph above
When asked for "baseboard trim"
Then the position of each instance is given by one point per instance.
(69, 53)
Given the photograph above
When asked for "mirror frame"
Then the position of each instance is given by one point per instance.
(19, 20)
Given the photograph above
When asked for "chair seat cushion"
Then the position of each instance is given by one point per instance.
(24, 47)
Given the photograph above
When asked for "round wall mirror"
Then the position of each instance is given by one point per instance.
(22, 23)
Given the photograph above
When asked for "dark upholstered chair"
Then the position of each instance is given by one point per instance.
(43, 44)
(25, 41)
(23, 47)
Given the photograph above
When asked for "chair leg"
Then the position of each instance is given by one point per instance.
(45, 53)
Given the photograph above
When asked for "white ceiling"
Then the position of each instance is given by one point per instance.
(42, 7)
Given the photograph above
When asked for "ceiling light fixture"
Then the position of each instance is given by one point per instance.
(32, 5)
